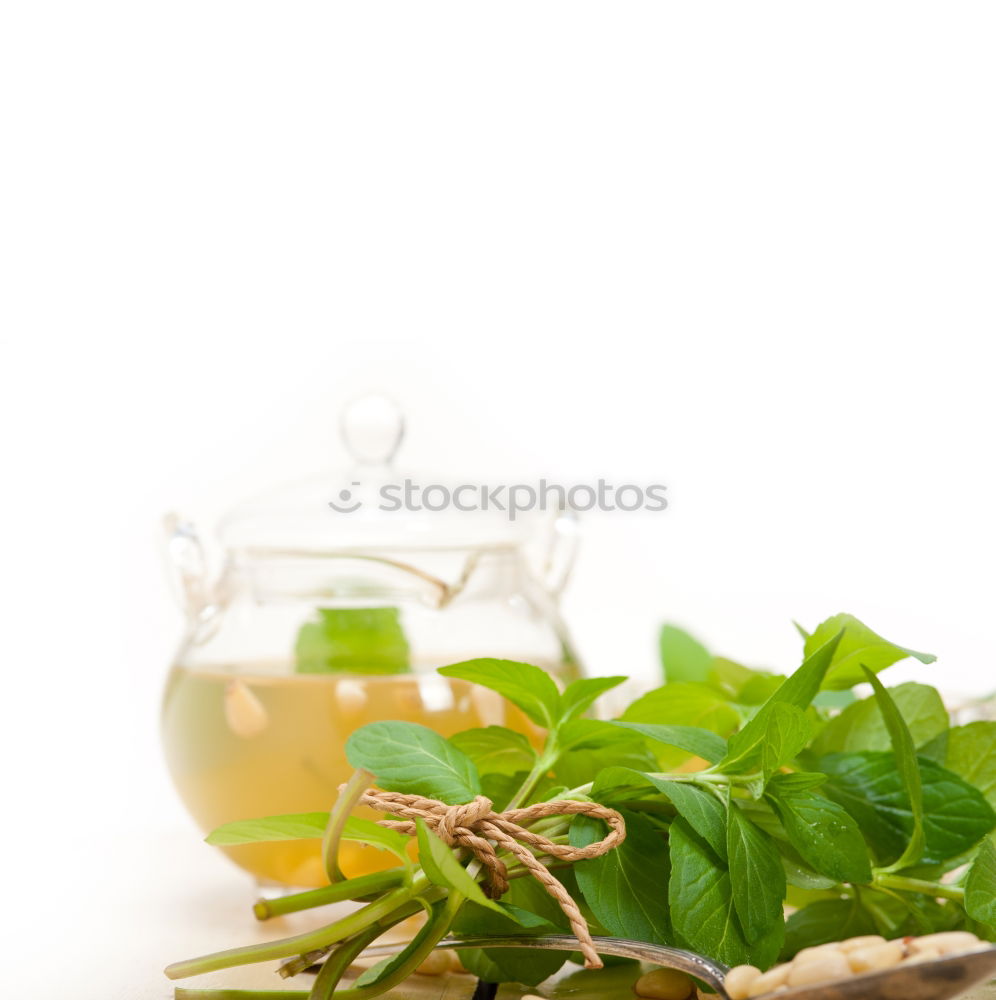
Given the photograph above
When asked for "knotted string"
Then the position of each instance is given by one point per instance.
(474, 826)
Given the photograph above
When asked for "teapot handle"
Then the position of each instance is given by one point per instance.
(555, 571)
(187, 567)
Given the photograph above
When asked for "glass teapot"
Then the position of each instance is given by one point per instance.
(333, 609)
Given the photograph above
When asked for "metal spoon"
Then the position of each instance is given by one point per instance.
(934, 979)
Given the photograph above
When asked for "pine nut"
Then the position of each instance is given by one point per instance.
(816, 951)
(864, 941)
(830, 965)
(738, 981)
(876, 956)
(947, 942)
(769, 981)
(437, 963)
(664, 984)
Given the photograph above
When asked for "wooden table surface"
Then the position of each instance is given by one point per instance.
(122, 910)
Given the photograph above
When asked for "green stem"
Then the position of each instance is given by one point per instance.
(340, 960)
(936, 889)
(300, 943)
(354, 888)
(340, 812)
(418, 955)
(540, 770)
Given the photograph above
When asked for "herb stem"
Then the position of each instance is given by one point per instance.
(353, 888)
(341, 808)
(937, 889)
(540, 769)
(439, 926)
(299, 943)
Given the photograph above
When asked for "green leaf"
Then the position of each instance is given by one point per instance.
(824, 921)
(591, 734)
(495, 750)
(579, 766)
(980, 886)
(861, 726)
(909, 770)
(823, 833)
(970, 752)
(580, 695)
(860, 645)
(800, 688)
(293, 826)
(870, 788)
(772, 738)
(701, 903)
(701, 809)
(353, 640)
(626, 888)
(526, 686)
(407, 757)
(442, 868)
(683, 657)
(512, 965)
(699, 742)
(698, 705)
(307, 826)
(757, 878)
(384, 968)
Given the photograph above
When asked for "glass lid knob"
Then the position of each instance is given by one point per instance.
(372, 427)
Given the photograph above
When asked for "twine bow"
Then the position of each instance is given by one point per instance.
(474, 826)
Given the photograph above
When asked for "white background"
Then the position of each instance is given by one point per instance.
(743, 249)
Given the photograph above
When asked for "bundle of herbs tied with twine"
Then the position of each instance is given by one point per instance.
(864, 816)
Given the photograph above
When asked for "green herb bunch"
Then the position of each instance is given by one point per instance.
(741, 792)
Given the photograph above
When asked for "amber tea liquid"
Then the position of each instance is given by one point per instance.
(254, 742)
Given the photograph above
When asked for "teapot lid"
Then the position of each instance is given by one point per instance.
(373, 507)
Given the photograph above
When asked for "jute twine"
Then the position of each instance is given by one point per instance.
(474, 826)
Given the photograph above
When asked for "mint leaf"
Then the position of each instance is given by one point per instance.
(909, 770)
(980, 886)
(512, 965)
(307, 826)
(701, 903)
(800, 688)
(860, 645)
(683, 657)
(970, 752)
(293, 826)
(407, 757)
(495, 750)
(626, 888)
(702, 810)
(772, 738)
(824, 921)
(698, 742)
(442, 868)
(526, 686)
(353, 640)
(580, 695)
(757, 878)
(698, 705)
(861, 726)
(576, 767)
(870, 788)
(823, 833)
(382, 969)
